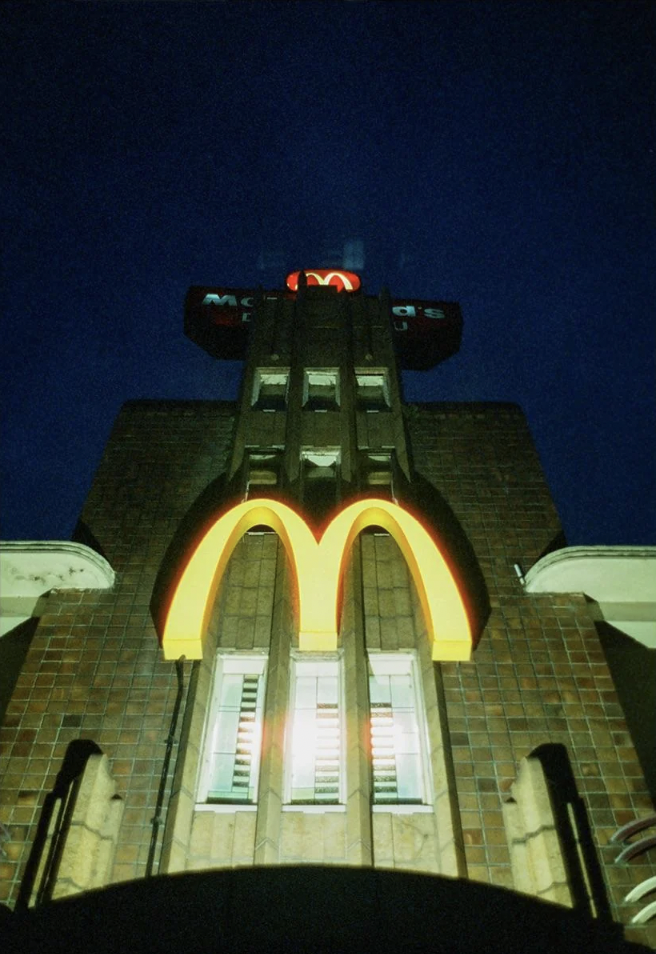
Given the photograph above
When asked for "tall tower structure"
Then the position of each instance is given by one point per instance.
(321, 360)
(320, 435)
(316, 644)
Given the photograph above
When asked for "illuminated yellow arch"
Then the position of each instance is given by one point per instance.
(188, 614)
(318, 568)
(443, 606)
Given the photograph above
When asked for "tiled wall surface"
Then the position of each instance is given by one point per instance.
(94, 670)
(539, 676)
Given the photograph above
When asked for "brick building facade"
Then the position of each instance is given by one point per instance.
(513, 767)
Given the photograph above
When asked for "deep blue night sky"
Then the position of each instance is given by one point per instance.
(497, 154)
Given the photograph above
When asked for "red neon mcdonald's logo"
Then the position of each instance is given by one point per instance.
(343, 281)
(318, 567)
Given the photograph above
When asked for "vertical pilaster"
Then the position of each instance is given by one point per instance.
(359, 838)
(271, 784)
(179, 812)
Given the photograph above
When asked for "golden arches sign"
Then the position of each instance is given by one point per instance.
(344, 281)
(317, 567)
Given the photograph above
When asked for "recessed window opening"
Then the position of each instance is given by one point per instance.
(378, 473)
(378, 470)
(233, 735)
(270, 390)
(320, 479)
(398, 736)
(264, 470)
(321, 390)
(315, 742)
(372, 391)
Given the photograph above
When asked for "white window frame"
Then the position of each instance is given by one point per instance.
(403, 663)
(314, 664)
(229, 663)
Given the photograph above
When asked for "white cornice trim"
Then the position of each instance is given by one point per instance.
(30, 568)
(604, 574)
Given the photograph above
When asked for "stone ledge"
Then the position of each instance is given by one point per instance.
(31, 568)
(605, 574)
(34, 567)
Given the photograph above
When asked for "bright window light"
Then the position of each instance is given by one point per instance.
(316, 748)
(400, 775)
(234, 731)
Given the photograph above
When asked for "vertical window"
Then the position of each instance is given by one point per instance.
(372, 391)
(270, 391)
(400, 772)
(321, 390)
(264, 469)
(233, 738)
(315, 744)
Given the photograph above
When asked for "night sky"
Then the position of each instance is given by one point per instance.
(496, 154)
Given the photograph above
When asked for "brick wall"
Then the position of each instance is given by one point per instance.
(539, 676)
(94, 670)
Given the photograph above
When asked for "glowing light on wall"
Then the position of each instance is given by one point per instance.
(344, 281)
(317, 567)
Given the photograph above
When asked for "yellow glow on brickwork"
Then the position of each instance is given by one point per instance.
(317, 568)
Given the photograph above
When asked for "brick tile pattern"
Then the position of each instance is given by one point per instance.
(539, 674)
(94, 669)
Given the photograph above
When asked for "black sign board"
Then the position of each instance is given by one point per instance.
(218, 319)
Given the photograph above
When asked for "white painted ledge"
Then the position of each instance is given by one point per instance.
(31, 568)
(620, 580)
(605, 574)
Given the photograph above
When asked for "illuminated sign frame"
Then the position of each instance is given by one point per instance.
(317, 567)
